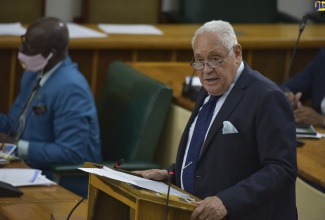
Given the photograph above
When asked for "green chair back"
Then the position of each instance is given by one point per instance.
(132, 112)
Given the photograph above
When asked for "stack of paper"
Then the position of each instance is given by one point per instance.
(24, 177)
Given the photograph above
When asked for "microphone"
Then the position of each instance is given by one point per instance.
(301, 28)
(170, 174)
(303, 23)
(118, 164)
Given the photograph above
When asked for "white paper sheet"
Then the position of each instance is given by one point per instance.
(195, 80)
(75, 30)
(156, 186)
(24, 177)
(78, 31)
(130, 29)
(14, 29)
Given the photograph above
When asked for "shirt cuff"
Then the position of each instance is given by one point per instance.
(23, 149)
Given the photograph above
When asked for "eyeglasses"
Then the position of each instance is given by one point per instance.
(27, 45)
(213, 63)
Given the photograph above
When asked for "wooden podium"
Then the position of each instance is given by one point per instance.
(113, 199)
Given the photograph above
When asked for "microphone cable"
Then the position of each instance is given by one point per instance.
(75, 208)
(301, 28)
(170, 174)
(116, 166)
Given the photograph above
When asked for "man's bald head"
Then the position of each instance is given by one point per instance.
(51, 33)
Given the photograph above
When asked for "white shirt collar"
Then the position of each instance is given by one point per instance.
(48, 74)
(239, 72)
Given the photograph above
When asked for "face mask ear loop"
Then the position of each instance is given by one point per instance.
(49, 56)
(40, 75)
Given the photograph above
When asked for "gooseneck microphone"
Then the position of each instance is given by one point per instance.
(6, 189)
(170, 174)
(301, 28)
(118, 164)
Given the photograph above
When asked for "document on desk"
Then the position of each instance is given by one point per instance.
(14, 29)
(130, 29)
(307, 131)
(156, 186)
(78, 31)
(24, 177)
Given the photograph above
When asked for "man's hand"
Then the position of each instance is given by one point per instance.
(154, 174)
(293, 98)
(211, 208)
(307, 115)
(10, 139)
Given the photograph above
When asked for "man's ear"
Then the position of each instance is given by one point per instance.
(238, 53)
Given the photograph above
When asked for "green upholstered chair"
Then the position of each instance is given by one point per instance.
(132, 112)
(235, 11)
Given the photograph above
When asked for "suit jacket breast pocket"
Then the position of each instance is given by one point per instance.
(232, 136)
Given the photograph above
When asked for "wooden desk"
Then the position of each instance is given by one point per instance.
(266, 47)
(170, 73)
(39, 202)
(310, 158)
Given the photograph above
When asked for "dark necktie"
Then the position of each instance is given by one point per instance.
(200, 130)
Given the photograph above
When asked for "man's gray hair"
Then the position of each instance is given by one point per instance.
(223, 28)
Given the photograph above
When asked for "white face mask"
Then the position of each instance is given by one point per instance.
(33, 63)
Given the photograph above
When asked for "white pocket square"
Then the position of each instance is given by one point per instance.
(228, 128)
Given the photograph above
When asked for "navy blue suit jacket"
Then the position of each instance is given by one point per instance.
(253, 171)
(310, 81)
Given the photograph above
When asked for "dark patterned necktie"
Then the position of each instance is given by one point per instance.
(200, 130)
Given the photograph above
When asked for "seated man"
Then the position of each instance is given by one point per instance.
(309, 84)
(59, 124)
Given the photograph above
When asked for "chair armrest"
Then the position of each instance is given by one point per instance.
(72, 169)
(134, 165)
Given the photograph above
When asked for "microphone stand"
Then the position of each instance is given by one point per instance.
(170, 173)
(24, 109)
(301, 28)
(7, 189)
(188, 89)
